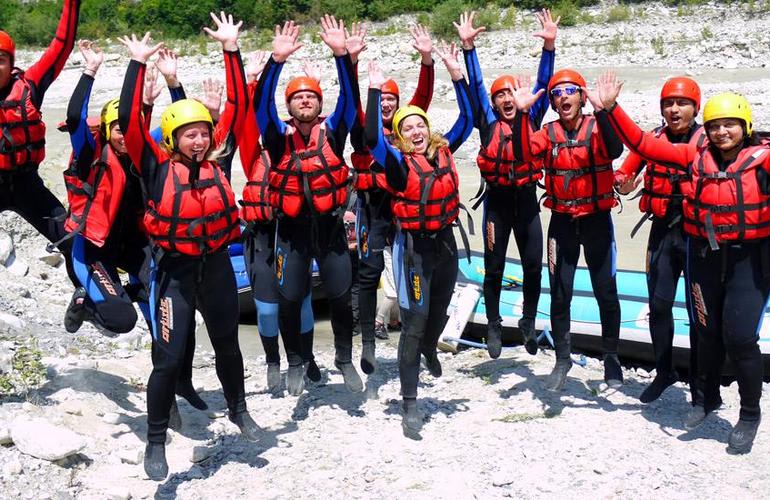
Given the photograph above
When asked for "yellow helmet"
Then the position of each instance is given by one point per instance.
(402, 113)
(109, 115)
(728, 105)
(179, 113)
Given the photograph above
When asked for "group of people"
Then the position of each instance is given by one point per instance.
(158, 205)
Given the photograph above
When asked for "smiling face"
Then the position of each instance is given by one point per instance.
(193, 140)
(304, 106)
(388, 105)
(678, 113)
(414, 129)
(117, 141)
(503, 103)
(726, 134)
(567, 100)
(6, 66)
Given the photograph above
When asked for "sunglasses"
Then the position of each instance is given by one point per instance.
(565, 91)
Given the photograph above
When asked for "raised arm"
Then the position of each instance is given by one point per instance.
(423, 44)
(339, 122)
(463, 126)
(646, 145)
(383, 153)
(77, 111)
(142, 150)
(548, 32)
(43, 72)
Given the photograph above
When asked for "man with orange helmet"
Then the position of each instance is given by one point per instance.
(374, 220)
(509, 189)
(22, 131)
(577, 151)
(309, 187)
(661, 202)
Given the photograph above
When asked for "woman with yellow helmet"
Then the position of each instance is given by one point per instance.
(421, 174)
(727, 222)
(104, 220)
(191, 217)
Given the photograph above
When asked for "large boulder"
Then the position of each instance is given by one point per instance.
(39, 438)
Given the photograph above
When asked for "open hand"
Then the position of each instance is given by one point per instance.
(152, 87)
(140, 50)
(354, 40)
(227, 31)
(422, 42)
(333, 34)
(549, 29)
(92, 55)
(255, 63)
(212, 96)
(627, 185)
(285, 41)
(312, 70)
(450, 54)
(466, 30)
(523, 96)
(376, 77)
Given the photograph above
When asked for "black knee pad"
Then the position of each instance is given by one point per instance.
(117, 317)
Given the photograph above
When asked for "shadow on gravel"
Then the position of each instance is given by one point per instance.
(322, 393)
(225, 450)
(115, 388)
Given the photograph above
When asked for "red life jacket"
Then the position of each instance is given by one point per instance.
(574, 183)
(729, 205)
(256, 193)
(367, 178)
(309, 172)
(431, 200)
(662, 183)
(93, 204)
(498, 165)
(193, 218)
(22, 131)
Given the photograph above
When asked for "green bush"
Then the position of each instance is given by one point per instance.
(618, 13)
(444, 15)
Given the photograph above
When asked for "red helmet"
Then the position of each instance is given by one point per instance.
(505, 82)
(301, 83)
(390, 87)
(566, 76)
(6, 44)
(681, 86)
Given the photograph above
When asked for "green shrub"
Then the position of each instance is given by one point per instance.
(619, 13)
(443, 16)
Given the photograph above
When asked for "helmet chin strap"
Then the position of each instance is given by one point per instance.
(193, 164)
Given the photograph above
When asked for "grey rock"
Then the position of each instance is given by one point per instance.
(118, 493)
(6, 247)
(17, 266)
(10, 322)
(13, 468)
(39, 438)
(201, 453)
(53, 259)
(5, 436)
(131, 456)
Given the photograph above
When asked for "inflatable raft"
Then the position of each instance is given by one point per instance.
(635, 343)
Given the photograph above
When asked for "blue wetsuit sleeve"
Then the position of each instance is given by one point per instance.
(270, 125)
(483, 115)
(379, 146)
(340, 121)
(463, 126)
(544, 73)
(81, 138)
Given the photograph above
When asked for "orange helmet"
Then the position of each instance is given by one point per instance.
(681, 86)
(566, 76)
(390, 87)
(301, 83)
(505, 82)
(6, 44)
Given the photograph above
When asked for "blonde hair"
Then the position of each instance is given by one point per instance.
(436, 141)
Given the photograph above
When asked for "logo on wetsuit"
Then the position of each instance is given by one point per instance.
(103, 279)
(280, 263)
(363, 239)
(166, 318)
(552, 255)
(416, 287)
(490, 235)
(699, 303)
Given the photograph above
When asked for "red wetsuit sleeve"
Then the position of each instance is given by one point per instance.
(423, 95)
(249, 148)
(142, 150)
(43, 72)
(147, 115)
(630, 168)
(646, 145)
(231, 124)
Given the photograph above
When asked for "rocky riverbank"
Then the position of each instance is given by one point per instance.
(491, 430)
